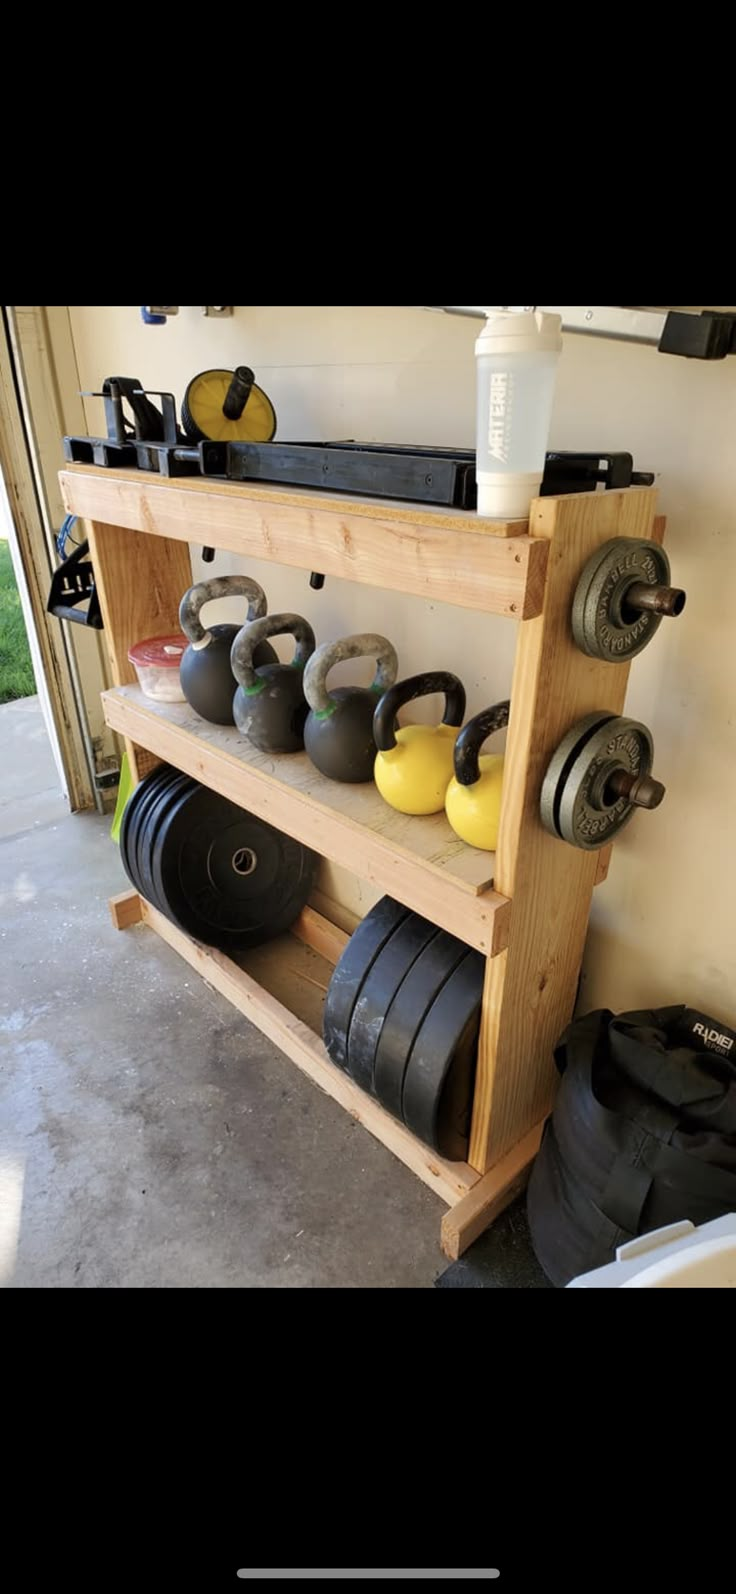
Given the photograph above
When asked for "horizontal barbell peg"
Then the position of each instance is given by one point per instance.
(655, 600)
(641, 790)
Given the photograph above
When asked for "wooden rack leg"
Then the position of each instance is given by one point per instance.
(474, 1212)
(140, 580)
(530, 988)
(125, 909)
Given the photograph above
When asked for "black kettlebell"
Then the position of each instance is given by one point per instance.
(338, 735)
(269, 705)
(207, 679)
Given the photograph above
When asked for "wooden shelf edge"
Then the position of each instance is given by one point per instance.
(447, 557)
(469, 1217)
(450, 1180)
(480, 919)
(337, 503)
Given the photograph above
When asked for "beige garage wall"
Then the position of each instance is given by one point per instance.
(663, 927)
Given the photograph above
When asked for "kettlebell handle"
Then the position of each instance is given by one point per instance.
(255, 631)
(206, 592)
(384, 718)
(470, 741)
(366, 646)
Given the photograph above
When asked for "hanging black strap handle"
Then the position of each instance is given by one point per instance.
(72, 583)
(630, 1183)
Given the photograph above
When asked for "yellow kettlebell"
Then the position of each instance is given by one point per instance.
(414, 765)
(473, 801)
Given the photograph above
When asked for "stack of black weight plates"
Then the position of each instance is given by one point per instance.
(223, 876)
(401, 1018)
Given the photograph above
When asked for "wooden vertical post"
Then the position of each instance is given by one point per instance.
(530, 988)
(140, 581)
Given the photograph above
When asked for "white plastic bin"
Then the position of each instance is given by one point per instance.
(680, 1257)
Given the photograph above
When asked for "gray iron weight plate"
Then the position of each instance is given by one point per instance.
(561, 763)
(600, 625)
(582, 589)
(585, 818)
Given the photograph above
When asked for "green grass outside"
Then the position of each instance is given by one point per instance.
(16, 670)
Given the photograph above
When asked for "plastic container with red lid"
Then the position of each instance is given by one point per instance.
(157, 662)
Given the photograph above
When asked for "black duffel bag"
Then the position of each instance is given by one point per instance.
(643, 1134)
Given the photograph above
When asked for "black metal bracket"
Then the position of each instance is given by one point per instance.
(152, 441)
(107, 778)
(703, 335)
(118, 447)
(182, 459)
(420, 475)
(708, 336)
(582, 473)
(97, 451)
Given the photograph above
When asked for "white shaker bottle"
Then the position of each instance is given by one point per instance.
(516, 357)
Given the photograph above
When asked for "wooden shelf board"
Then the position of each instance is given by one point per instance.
(418, 861)
(294, 967)
(441, 554)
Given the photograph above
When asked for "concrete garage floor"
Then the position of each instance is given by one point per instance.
(148, 1134)
(153, 1136)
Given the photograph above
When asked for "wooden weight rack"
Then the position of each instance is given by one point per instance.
(525, 908)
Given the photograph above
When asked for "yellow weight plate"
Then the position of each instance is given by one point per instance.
(204, 400)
